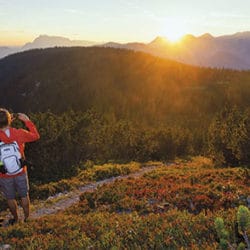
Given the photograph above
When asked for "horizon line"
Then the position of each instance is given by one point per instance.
(126, 42)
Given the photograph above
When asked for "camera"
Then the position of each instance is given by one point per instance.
(15, 115)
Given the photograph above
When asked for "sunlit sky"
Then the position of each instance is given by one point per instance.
(22, 21)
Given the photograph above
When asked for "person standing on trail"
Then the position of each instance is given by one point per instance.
(13, 171)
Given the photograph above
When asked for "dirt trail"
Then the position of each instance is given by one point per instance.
(65, 200)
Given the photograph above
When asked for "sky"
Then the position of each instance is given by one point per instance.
(21, 21)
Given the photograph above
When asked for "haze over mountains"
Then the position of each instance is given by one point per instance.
(44, 41)
(229, 51)
(5, 50)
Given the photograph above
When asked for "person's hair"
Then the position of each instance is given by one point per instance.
(5, 118)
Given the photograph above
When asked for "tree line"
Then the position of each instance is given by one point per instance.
(72, 138)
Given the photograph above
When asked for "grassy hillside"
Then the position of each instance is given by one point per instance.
(121, 82)
(168, 208)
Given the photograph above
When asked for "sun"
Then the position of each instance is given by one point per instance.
(174, 30)
(174, 36)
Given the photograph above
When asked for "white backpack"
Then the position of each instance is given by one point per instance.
(10, 157)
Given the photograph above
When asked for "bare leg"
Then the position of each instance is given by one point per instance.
(25, 203)
(13, 208)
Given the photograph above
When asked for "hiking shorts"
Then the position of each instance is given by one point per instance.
(15, 185)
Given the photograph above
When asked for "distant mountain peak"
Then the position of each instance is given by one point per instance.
(46, 41)
(46, 38)
(188, 37)
(242, 34)
(159, 40)
(206, 36)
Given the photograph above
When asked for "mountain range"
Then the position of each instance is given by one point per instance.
(229, 51)
(45, 41)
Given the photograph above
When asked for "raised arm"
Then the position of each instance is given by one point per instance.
(28, 135)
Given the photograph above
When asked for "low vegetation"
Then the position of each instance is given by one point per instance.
(171, 207)
(90, 173)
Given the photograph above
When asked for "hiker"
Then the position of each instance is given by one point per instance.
(14, 179)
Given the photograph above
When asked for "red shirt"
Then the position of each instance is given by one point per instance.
(21, 136)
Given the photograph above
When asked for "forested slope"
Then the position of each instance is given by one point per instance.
(120, 82)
